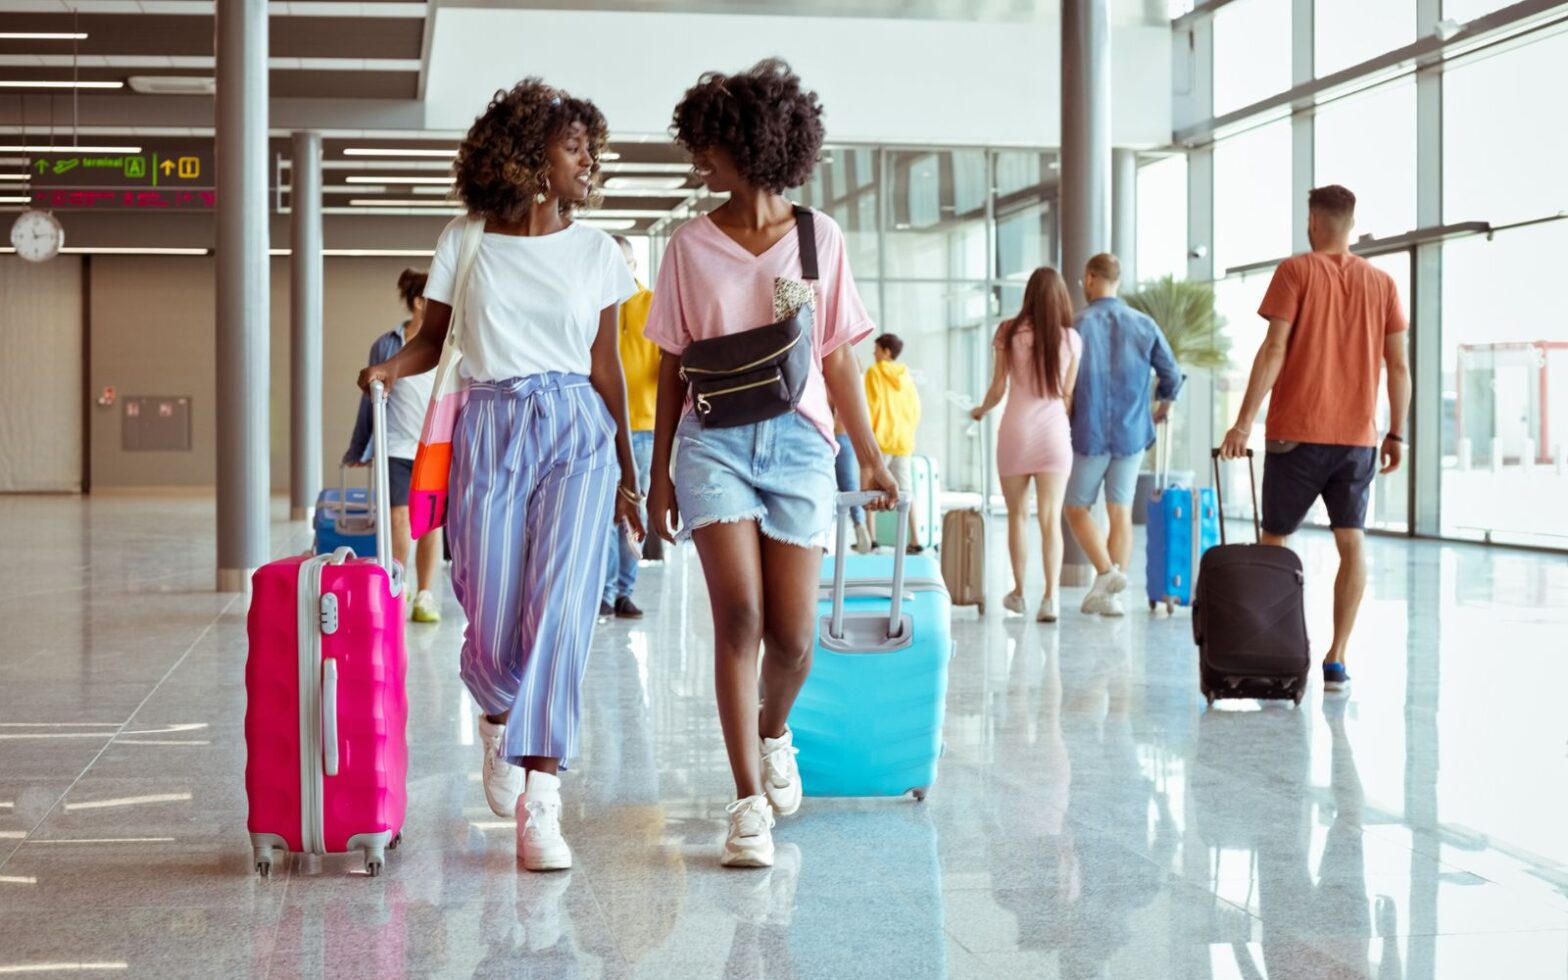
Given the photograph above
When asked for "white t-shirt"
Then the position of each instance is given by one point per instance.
(533, 303)
(406, 413)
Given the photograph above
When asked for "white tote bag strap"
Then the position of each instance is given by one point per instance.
(473, 235)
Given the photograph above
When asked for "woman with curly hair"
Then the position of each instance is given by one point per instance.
(757, 498)
(540, 444)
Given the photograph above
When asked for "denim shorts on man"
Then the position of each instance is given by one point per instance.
(1296, 474)
(779, 473)
(1119, 474)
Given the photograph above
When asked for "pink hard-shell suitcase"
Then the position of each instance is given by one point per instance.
(326, 711)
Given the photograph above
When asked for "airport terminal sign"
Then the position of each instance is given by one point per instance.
(165, 175)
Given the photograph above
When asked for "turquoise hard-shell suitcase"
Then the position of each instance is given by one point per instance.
(868, 721)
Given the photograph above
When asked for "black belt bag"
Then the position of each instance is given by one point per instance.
(759, 374)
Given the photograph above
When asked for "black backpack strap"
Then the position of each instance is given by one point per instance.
(806, 231)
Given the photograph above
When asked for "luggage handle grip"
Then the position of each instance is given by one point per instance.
(329, 715)
(1219, 496)
(843, 504)
(381, 480)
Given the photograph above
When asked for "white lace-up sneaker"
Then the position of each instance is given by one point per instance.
(426, 608)
(780, 773)
(749, 843)
(503, 781)
(1106, 585)
(539, 842)
(1013, 602)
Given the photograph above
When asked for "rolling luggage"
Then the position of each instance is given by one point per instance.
(326, 709)
(927, 502)
(1183, 524)
(1249, 618)
(868, 721)
(964, 532)
(345, 518)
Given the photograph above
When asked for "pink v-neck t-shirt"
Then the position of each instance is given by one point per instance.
(709, 286)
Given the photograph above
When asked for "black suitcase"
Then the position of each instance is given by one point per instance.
(1248, 615)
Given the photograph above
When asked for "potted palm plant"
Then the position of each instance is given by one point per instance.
(1195, 330)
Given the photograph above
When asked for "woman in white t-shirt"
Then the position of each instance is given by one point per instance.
(541, 455)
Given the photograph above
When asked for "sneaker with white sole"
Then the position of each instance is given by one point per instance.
(863, 543)
(503, 781)
(1013, 602)
(426, 608)
(540, 845)
(780, 774)
(1114, 607)
(1048, 612)
(749, 843)
(1106, 585)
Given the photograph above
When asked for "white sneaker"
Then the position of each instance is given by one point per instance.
(539, 842)
(1047, 613)
(749, 843)
(1113, 607)
(781, 774)
(862, 540)
(426, 608)
(1106, 585)
(1013, 603)
(503, 781)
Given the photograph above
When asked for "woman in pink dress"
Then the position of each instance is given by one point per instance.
(1036, 367)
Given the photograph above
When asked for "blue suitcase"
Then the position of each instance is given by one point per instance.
(345, 519)
(868, 721)
(1183, 524)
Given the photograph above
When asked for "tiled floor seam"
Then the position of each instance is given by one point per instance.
(126, 724)
(277, 927)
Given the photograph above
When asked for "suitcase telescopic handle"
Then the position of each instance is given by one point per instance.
(381, 480)
(843, 504)
(1219, 497)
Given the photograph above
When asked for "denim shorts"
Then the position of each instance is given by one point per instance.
(1118, 473)
(779, 473)
(1295, 475)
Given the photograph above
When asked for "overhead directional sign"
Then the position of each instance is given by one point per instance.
(164, 175)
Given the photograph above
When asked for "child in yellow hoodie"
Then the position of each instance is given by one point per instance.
(895, 414)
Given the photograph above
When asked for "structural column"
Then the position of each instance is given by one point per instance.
(305, 278)
(1124, 214)
(244, 481)
(1086, 172)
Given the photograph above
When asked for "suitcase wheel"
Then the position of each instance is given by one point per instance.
(1208, 696)
(1299, 694)
(373, 867)
(1153, 605)
(980, 608)
(1170, 607)
(264, 867)
(919, 793)
(395, 842)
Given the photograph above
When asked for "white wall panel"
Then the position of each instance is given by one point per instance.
(40, 375)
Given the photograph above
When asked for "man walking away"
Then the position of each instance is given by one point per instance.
(895, 415)
(1334, 321)
(1112, 424)
(640, 362)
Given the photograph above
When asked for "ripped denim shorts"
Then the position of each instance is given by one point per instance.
(779, 473)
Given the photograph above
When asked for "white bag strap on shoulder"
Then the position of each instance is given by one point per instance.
(473, 235)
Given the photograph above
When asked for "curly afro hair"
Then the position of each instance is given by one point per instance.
(762, 117)
(503, 161)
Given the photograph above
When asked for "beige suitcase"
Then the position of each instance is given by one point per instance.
(963, 557)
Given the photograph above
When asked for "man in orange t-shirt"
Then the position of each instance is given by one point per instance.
(1334, 321)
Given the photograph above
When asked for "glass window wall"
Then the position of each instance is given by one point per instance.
(1251, 52)
(1368, 143)
(1348, 32)
(1252, 196)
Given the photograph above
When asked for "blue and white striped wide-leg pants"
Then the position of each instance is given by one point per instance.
(532, 498)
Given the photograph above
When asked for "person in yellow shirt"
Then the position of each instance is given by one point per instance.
(640, 360)
(895, 414)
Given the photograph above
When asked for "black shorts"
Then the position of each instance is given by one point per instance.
(400, 473)
(1293, 480)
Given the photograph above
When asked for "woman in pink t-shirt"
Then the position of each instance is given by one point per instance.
(1036, 368)
(757, 499)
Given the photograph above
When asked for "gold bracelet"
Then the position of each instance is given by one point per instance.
(630, 496)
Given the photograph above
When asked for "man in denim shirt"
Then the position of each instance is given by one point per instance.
(1112, 424)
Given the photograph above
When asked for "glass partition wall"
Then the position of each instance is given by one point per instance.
(1463, 200)
(941, 242)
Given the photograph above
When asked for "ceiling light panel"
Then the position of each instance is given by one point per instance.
(388, 151)
(644, 182)
(7, 83)
(390, 179)
(42, 36)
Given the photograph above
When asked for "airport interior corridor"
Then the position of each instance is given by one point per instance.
(1092, 819)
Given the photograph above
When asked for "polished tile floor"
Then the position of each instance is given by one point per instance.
(1092, 819)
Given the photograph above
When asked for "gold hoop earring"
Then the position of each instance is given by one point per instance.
(544, 191)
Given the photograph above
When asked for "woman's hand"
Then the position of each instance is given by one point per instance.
(977, 413)
(383, 372)
(629, 515)
(880, 479)
(663, 512)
